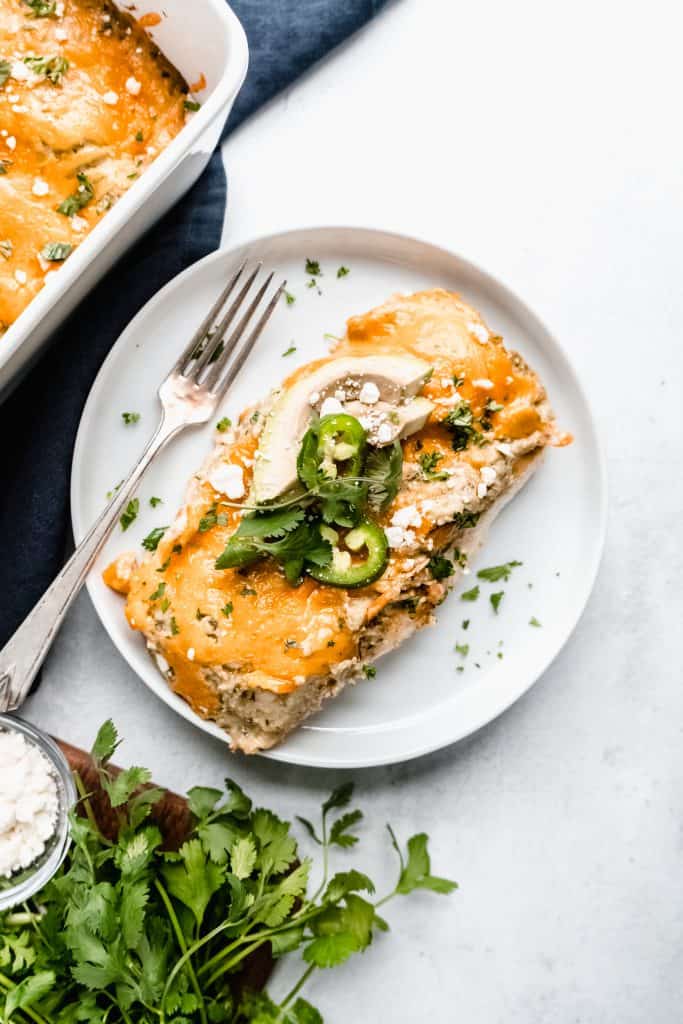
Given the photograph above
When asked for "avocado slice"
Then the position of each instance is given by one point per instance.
(397, 380)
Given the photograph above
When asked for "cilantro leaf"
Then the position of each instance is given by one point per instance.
(339, 797)
(5, 71)
(533, 621)
(416, 871)
(151, 541)
(243, 857)
(470, 595)
(384, 469)
(130, 513)
(498, 572)
(77, 200)
(195, 879)
(28, 992)
(440, 568)
(122, 787)
(106, 742)
(495, 600)
(202, 800)
(339, 832)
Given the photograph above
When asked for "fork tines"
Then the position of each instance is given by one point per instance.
(210, 350)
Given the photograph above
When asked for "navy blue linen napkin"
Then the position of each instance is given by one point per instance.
(38, 422)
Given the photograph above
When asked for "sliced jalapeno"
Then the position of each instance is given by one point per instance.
(342, 571)
(333, 448)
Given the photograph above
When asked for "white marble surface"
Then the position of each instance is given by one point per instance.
(545, 143)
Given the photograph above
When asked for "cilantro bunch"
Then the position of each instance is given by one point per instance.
(127, 933)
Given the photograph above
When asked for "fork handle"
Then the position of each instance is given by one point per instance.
(25, 651)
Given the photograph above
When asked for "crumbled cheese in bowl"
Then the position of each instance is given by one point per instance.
(29, 803)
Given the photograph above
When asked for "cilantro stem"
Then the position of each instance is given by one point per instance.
(175, 924)
(8, 984)
(297, 988)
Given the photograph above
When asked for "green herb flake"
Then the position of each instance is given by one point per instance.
(289, 298)
(313, 268)
(155, 501)
(247, 591)
(165, 604)
(77, 200)
(289, 351)
(465, 623)
(56, 252)
(533, 621)
(428, 463)
(139, 137)
(369, 671)
(495, 573)
(192, 105)
(42, 8)
(130, 513)
(343, 271)
(495, 600)
(227, 609)
(470, 595)
(6, 248)
(463, 649)
(440, 568)
(151, 541)
(129, 418)
(5, 71)
(175, 629)
(159, 592)
(53, 68)
(223, 424)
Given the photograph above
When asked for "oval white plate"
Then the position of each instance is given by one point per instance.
(419, 701)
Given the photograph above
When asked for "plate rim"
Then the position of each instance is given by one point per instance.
(516, 304)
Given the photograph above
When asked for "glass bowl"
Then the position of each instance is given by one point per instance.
(22, 885)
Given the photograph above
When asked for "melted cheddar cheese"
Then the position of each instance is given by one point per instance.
(251, 621)
(83, 91)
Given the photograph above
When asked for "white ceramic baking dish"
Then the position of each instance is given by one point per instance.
(201, 37)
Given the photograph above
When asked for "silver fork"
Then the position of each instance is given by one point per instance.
(189, 395)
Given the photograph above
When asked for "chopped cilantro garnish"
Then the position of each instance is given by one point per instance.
(248, 592)
(192, 105)
(495, 600)
(227, 609)
(369, 671)
(459, 422)
(463, 649)
(174, 626)
(139, 137)
(288, 351)
(151, 541)
(42, 8)
(6, 248)
(159, 592)
(498, 572)
(465, 623)
(165, 604)
(55, 252)
(155, 501)
(223, 424)
(78, 199)
(343, 271)
(130, 417)
(428, 463)
(5, 71)
(533, 621)
(164, 565)
(441, 568)
(470, 595)
(289, 298)
(313, 268)
(130, 514)
(53, 68)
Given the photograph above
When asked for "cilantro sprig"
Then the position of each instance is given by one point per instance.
(130, 933)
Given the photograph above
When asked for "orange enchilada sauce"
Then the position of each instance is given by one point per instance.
(277, 634)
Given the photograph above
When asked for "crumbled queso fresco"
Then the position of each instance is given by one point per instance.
(28, 803)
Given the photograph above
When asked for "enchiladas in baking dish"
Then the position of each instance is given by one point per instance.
(329, 523)
(86, 103)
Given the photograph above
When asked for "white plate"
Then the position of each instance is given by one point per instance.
(418, 702)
